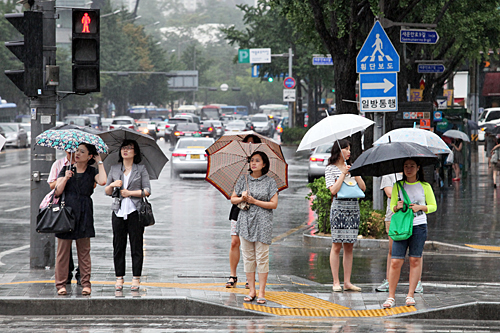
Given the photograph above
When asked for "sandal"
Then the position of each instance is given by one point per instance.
(389, 303)
(249, 298)
(135, 287)
(410, 301)
(62, 291)
(118, 285)
(232, 284)
(261, 300)
(247, 286)
(86, 291)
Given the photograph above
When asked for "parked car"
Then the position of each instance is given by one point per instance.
(184, 130)
(219, 126)
(123, 122)
(27, 128)
(489, 116)
(318, 162)
(15, 135)
(236, 126)
(2, 133)
(262, 124)
(78, 120)
(189, 156)
(208, 129)
(147, 127)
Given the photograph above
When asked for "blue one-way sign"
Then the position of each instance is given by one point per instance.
(431, 68)
(417, 36)
(377, 54)
(378, 92)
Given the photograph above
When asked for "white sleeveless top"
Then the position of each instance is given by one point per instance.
(127, 206)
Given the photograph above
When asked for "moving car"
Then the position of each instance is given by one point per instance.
(318, 162)
(147, 127)
(15, 135)
(83, 121)
(189, 156)
(208, 129)
(219, 126)
(123, 122)
(236, 126)
(282, 125)
(184, 130)
(262, 124)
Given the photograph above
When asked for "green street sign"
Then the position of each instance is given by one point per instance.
(244, 56)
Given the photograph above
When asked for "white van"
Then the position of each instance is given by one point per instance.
(490, 115)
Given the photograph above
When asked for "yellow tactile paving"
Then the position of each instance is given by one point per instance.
(297, 304)
(484, 247)
(329, 312)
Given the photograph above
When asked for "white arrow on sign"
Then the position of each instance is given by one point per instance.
(386, 85)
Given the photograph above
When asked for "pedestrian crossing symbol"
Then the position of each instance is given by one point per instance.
(377, 54)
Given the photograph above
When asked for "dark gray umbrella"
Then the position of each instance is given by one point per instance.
(152, 156)
(389, 158)
(86, 129)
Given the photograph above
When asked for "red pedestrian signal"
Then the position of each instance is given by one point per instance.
(85, 21)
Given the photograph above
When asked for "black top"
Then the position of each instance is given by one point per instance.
(77, 194)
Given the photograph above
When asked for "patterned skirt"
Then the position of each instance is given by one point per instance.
(344, 220)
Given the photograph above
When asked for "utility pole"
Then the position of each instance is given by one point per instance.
(43, 117)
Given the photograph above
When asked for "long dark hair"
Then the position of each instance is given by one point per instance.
(137, 151)
(92, 151)
(255, 138)
(265, 159)
(335, 154)
(420, 172)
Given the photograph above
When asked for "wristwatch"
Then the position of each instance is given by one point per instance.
(100, 162)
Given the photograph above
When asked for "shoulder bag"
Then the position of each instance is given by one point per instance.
(350, 189)
(56, 217)
(245, 205)
(494, 156)
(146, 217)
(401, 227)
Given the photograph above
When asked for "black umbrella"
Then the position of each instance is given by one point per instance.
(86, 129)
(389, 158)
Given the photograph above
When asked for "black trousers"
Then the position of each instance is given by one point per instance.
(135, 231)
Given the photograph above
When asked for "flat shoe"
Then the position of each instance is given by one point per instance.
(352, 288)
(261, 300)
(249, 298)
(86, 291)
(337, 289)
(62, 291)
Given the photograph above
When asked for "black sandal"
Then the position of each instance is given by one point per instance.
(232, 284)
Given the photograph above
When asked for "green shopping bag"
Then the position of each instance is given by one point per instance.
(402, 221)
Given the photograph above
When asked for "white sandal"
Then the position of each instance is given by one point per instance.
(410, 301)
(389, 303)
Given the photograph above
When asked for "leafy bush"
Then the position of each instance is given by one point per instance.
(292, 136)
(371, 222)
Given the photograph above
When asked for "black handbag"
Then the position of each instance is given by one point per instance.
(146, 217)
(56, 217)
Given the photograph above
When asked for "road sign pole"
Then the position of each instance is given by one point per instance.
(291, 114)
(378, 196)
(42, 246)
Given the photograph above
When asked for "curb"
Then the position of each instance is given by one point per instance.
(467, 311)
(326, 241)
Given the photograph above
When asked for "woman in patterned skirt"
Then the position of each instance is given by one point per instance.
(344, 214)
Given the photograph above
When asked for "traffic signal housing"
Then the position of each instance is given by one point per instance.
(29, 51)
(85, 50)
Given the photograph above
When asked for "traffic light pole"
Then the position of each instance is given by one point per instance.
(43, 117)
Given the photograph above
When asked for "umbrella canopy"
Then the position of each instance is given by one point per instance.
(152, 156)
(422, 137)
(2, 141)
(389, 158)
(226, 165)
(86, 129)
(68, 140)
(333, 128)
(456, 135)
(224, 140)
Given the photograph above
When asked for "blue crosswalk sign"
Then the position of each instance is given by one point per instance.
(377, 54)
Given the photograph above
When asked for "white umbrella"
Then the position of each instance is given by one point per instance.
(422, 137)
(333, 128)
(2, 141)
(456, 135)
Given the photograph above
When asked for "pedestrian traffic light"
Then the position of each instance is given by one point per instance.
(85, 50)
(29, 51)
(270, 79)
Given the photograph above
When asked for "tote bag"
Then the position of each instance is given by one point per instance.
(350, 189)
(402, 221)
(56, 217)
(146, 217)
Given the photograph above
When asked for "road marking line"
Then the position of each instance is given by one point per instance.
(6, 185)
(4, 253)
(484, 247)
(5, 166)
(17, 208)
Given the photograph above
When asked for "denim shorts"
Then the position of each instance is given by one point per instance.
(415, 243)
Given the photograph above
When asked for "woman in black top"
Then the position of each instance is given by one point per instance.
(78, 183)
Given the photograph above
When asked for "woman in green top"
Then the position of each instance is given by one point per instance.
(423, 202)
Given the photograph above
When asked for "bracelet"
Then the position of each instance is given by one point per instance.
(100, 162)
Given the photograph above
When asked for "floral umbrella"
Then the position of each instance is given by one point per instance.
(68, 140)
(226, 165)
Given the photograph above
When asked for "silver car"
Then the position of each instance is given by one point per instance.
(189, 156)
(318, 162)
(15, 135)
(262, 124)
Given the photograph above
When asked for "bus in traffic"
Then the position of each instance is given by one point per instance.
(235, 109)
(210, 112)
(148, 112)
(274, 110)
